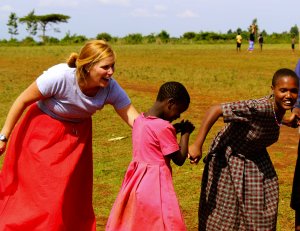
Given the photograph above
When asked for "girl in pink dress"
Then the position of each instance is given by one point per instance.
(147, 199)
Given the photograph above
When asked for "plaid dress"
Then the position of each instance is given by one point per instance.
(239, 185)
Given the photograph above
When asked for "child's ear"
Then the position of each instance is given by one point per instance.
(171, 102)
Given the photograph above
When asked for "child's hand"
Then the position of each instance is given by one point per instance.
(187, 127)
(178, 126)
(195, 154)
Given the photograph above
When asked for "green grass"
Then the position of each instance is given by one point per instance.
(211, 73)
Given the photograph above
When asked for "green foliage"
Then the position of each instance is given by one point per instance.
(104, 36)
(28, 41)
(294, 31)
(12, 25)
(32, 21)
(71, 39)
(163, 36)
(133, 38)
(189, 35)
(150, 38)
(50, 40)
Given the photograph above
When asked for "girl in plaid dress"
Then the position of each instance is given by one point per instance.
(239, 184)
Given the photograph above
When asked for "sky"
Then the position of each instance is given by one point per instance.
(122, 17)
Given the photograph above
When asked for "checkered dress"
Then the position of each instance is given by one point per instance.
(239, 184)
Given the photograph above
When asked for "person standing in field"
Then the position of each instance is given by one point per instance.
(293, 43)
(251, 42)
(147, 199)
(239, 184)
(295, 198)
(47, 175)
(239, 39)
(261, 41)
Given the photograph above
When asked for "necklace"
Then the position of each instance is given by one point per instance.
(277, 122)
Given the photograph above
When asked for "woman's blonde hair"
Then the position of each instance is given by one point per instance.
(90, 54)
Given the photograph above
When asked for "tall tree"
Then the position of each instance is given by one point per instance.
(12, 25)
(42, 21)
(294, 30)
(31, 23)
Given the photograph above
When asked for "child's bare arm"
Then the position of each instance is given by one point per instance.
(180, 156)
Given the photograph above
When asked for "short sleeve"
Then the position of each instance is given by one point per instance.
(167, 140)
(117, 96)
(240, 111)
(51, 80)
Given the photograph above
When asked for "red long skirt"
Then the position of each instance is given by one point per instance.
(47, 176)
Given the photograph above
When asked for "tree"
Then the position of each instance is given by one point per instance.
(189, 35)
(239, 30)
(42, 21)
(12, 25)
(163, 36)
(31, 23)
(294, 30)
(104, 36)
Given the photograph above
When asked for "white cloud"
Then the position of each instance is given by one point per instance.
(6, 8)
(139, 12)
(187, 14)
(160, 8)
(115, 2)
(145, 13)
(59, 3)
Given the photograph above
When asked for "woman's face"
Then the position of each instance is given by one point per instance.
(101, 72)
(285, 93)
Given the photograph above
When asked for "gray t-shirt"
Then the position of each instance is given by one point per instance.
(65, 100)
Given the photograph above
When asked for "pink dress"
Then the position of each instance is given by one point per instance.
(147, 199)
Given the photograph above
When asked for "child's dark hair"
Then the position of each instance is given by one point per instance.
(173, 90)
(284, 72)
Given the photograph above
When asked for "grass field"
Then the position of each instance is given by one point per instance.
(211, 73)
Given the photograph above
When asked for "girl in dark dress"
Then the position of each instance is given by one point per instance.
(239, 184)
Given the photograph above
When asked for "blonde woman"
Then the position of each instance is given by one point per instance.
(47, 175)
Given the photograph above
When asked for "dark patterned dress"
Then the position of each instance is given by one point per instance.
(239, 185)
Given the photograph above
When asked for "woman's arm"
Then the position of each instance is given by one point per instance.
(27, 97)
(211, 116)
(128, 114)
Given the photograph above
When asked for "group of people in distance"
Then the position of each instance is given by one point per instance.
(239, 40)
(47, 174)
(260, 40)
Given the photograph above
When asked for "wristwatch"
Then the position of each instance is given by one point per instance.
(3, 138)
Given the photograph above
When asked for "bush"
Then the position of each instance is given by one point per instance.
(133, 38)
(104, 36)
(28, 41)
(73, 39)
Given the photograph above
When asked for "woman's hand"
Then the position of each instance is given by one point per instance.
(195, 154)
(2, 147)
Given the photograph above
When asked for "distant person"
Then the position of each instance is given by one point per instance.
(295, 198)
(293, 43)
(239, 184)
(239, 39)
(147, 199)
(251, 42)
(261, 41)
(46, 181)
